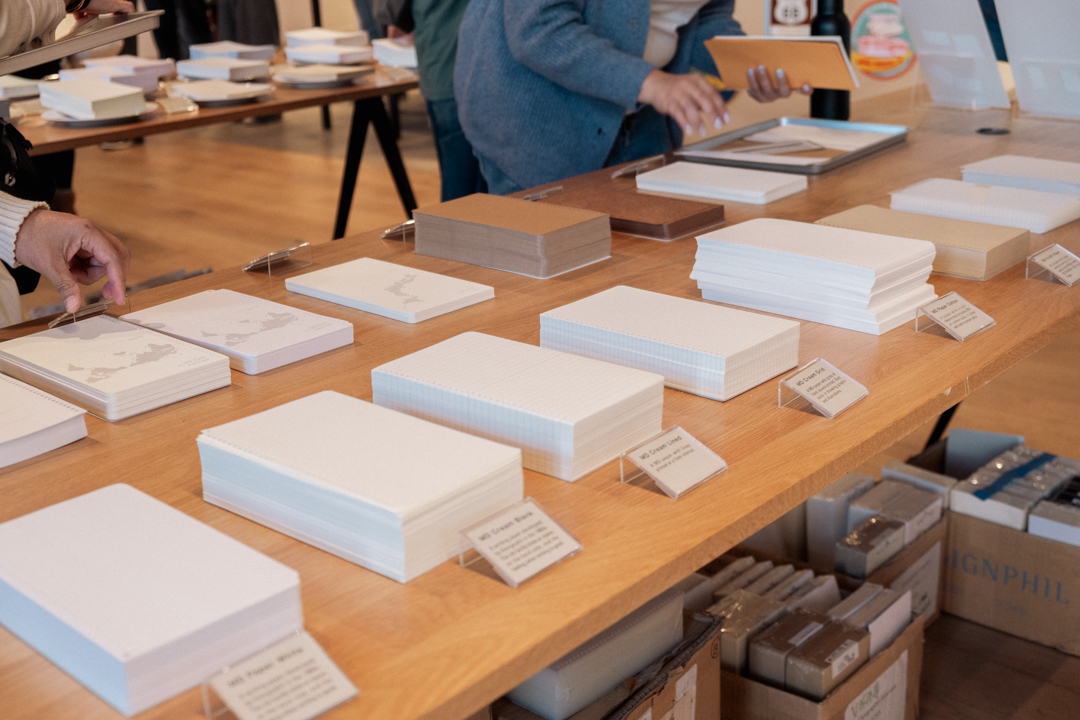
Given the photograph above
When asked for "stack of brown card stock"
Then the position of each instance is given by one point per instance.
(650, 216)
(535, 239)
(966, 249)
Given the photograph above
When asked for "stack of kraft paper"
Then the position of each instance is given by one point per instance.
(568, 414)
(534, 239)
(704, 349)
(112, 368)
(379, 488)
(717, 182)
(851, 279)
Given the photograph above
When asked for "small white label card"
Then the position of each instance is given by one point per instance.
(674, 460)
(955, 315)
(1059, 262)
(292, 680)
(519, 542)
(827, 389)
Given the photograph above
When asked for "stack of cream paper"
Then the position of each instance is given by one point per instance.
(325, 36)
(394, 53)
(1028, 173)
(15, 87)
(257, 335)
(535, 239)
(230, 49)
(329, 54)
(581, 677)
(136, 600)
(707, 350)
(966, 249)
(1036, 210)
(131, 63)
(223, 68)
(394, 291)
(33, 422)
(851, 279)
(721, 183)
(568, 414)
(92, 98)
(112, 368)
(379, 488)
(147, 82)
(300, 74)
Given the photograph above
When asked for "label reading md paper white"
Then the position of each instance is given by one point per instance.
(521, 541)
(293, 680)
(676, 461)
(842, 657)
(828, 389)
(1060, 262)
(886, 697)
(960, 318)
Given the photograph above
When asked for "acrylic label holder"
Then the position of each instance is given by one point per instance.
(519, 542)
(283, 262)
(955, 315)
(673, 459)
(292, 680)
(828, 390)
(1055, 261)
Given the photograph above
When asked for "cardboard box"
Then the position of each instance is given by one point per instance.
(885, 688)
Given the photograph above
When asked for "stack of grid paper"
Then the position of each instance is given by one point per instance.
(257, 335)
(92, 98)
(349, 477)
(136, 600)
(230, 49)
(33, 422)
(703, 349)
(112, 368)
(394, 291)
(534, 239)
(721, 183)
(1036, 210)
(568, 414)
(147, 82)
(329, 47)
(1028, 173)
(223, 68)
(393, 52)
(851, 279)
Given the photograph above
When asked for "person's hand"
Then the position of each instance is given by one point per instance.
(103, 7)
(763, 90)
(69, 250)
(685, 98)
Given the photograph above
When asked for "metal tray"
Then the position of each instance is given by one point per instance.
(890, 135)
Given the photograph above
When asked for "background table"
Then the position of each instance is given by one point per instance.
(450, 641)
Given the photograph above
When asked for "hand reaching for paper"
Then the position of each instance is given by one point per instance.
(70, 250)
(763, 90)
(685, 98)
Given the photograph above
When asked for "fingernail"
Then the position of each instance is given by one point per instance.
(71, 304)
(779, 73)
(689, 130)
(761, 68)
(701, 129)
(806, 87)
(727, 117)
(717, 123)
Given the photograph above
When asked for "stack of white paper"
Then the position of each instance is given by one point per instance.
(394, 291)
(325, 36)
(379, 488)
(394, 53)
(147, 82)
(329, 54)
(15, 87)
(721, 183)
(851, 279)
(230, 49)
(33, 422)
(704, 349)
(92, 98)
(568, 414)
(223, 68)
(1034, 210)
(131, 63)
(221, 91)
(135, 600)
(300, 74)
(1027, 173)
(112, 368)
(257, 335)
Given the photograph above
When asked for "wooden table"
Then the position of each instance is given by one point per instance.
(366, 95)
(452, 640)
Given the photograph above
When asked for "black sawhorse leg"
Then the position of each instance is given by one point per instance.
(371, 111)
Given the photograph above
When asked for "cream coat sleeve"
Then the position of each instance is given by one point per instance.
(28, 24)
(12, 213)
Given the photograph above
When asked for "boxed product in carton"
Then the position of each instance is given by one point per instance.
(745, 615)
(884, 617)
(827, 659)
(769, 650)
(917, 476)
(854, 602)
(917, 509)
(827, 518)
(869, 546)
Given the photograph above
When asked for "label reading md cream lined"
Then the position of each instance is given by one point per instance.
(521, 541)
(842, 657)
(676, 461)
(1061, 263)
(960, 318)
(803, 635)
(828, 389)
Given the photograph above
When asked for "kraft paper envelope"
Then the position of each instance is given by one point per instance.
(818, 61)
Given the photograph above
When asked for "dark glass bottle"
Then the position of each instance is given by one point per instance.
(831, 20)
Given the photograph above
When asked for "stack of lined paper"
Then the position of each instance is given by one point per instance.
(707, 350)
(92, 98)
(966, 249)
(112, 368)
(721, 183)
(394, 291)
(230, 49)
(568, 414)
(534, 239)
(257, 335)
(376, 487)
(136, 600)
(1028, 173)
(33, 422)
(1036, 210)
(223, 68)
(851, 279)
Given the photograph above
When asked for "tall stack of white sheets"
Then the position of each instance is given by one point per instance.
(33, 422)
(1034, 210)
(851, 279)
(92, 98)
(568, 414)
(112, 368)
(136, 600)
(1028, 173)
(707, 350)
(147, 82)
(379, 488)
